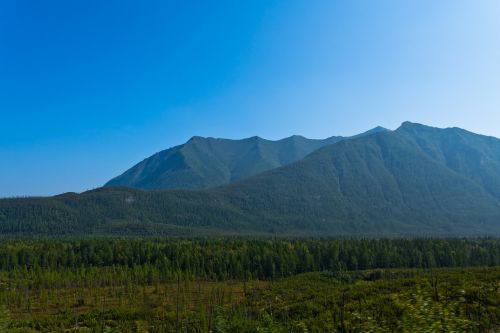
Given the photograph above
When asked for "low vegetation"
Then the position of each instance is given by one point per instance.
(250, 285)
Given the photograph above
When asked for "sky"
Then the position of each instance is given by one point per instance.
(89, 88)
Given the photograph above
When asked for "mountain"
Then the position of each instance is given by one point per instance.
(208, 162)
(412, 181)
(417, 179)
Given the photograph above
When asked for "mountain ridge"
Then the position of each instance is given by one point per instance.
(206, 162)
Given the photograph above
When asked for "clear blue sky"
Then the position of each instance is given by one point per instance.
(89, 88)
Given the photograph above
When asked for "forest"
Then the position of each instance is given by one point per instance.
(249, 285)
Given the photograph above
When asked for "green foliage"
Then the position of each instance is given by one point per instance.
(398, 301)
(4, 318)
(268, 325)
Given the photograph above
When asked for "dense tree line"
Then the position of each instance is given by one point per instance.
(244, 258)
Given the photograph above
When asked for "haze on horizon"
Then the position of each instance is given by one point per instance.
(87, 89)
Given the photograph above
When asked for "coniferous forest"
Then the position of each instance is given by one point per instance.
(249, 285)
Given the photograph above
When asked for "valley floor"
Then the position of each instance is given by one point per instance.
(53, 295)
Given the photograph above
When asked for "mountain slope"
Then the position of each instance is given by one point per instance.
(380, 183)
(415, 180)
(207, 162)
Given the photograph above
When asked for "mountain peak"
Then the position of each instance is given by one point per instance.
(196, 138)
(414, 127)
(378, 129)
(411, 124)
(375, 130)
(296, 137)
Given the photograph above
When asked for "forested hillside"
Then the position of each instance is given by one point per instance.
(415, 180)
(207, 162)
